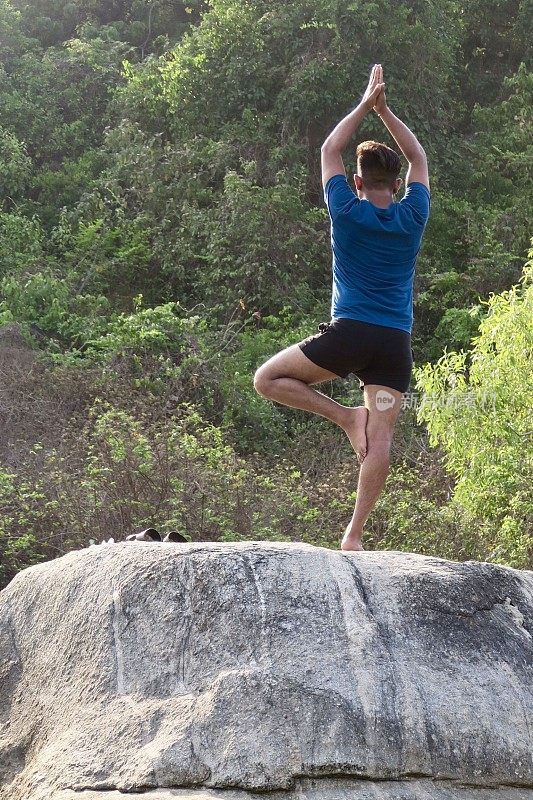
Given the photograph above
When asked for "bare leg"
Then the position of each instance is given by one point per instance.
(285, 378)
(374, 471)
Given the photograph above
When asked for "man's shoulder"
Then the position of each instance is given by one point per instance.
(339, 197)
(416, 202)
(416, 188)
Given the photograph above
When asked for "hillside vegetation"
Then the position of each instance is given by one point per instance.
(163, 232)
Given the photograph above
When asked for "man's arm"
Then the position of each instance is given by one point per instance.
(410, 147)
(404, 138)
(339, 138)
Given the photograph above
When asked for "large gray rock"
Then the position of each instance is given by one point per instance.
(182, 671)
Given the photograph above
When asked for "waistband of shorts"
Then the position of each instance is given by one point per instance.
(358, 323)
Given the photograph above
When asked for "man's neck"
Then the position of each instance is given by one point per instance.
(379, 199)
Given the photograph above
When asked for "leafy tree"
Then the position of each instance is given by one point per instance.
(163, 231)
(15, 166)
(139, 22)
(12, 40)
(477, 405)
(21, 243)
(496, 39)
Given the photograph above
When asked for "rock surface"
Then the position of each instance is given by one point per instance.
(214, 671)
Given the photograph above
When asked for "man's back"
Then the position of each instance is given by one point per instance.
(374, 253)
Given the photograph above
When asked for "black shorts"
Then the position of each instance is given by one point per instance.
(374, 353)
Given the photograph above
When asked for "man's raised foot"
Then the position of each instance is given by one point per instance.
(355, 429)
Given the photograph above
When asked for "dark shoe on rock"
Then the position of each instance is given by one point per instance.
(174, 536)
(149, 535)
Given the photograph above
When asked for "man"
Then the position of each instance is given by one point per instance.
(375, 242)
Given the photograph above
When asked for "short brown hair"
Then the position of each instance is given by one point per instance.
(378, 164)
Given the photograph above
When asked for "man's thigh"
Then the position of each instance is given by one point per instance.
(292, 363)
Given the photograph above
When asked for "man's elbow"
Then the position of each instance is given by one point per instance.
(417, 155)
(328, 147)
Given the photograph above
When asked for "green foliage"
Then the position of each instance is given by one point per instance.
(57, 102)
(496, 39)
(15, 166)
(48, 304)
(455, 330)
(163, 352)
(412, 515)
(232, 242)
(124, 468)
(19, 548)
(140, 22)
(155, 330)
(257, 426)
(21, 242)
(504, 134)
(12, 40)
(163, 233)
(477, 405)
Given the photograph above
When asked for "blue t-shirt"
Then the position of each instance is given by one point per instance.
(374, 253)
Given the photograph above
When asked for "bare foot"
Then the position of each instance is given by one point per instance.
(355, 428)
(351, 541)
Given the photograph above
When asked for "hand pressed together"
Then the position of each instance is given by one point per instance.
(374, 96)
(381, 100)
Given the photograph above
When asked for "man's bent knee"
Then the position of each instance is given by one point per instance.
(262, 381)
